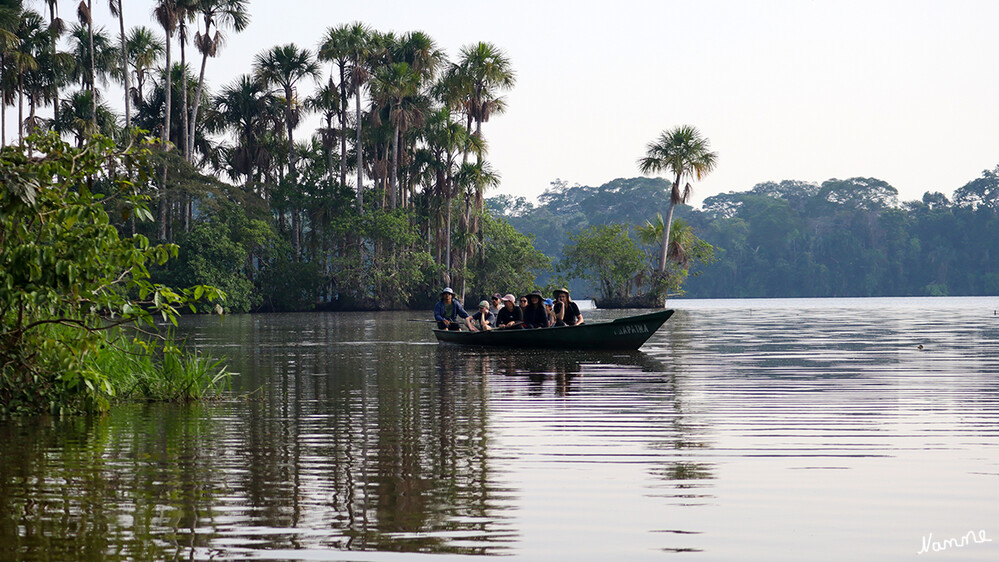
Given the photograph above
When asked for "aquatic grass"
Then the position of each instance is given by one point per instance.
(143, 371)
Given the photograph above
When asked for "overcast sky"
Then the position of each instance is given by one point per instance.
(904, 91)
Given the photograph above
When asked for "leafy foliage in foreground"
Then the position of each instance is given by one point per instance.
(66, 275)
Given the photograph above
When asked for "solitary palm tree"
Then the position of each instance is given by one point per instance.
(684, 153)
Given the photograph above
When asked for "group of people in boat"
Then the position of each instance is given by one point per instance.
(507, 312)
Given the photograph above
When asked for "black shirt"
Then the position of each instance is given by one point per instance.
(505, 316)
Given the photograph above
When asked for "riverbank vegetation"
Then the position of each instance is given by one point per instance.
(76, 296)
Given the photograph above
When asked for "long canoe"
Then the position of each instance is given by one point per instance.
(624, 333)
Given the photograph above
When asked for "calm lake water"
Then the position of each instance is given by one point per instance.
(745, 429)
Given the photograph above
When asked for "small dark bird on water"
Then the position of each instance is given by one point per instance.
(920, 346)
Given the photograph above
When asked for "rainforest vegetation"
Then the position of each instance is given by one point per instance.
(838, 238)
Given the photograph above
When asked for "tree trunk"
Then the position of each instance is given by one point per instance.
(183, 92)
(357, 147)
(90, 36)
(55, 39)
(666, 227)
(165, 136)
(197, 102)
(124, 64)
(393, 177)
(343, 129)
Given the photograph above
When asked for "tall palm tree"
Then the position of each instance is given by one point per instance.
(474, 85)
(353, 43)
(216, 15)
(392, 85)
(144, 51)
(75, 116)
(246, 108)
(334, 48)
(116, 11)
(326, 100)
(185, 12)
(481, 73)
(684, 153)
(85, 12)
(283, 67)
(22, 59)
(167, 14)
(56, 28)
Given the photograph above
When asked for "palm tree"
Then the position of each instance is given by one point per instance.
(75, 116)
(23, 60)
(683, 152)
(56, 28)
(85, 12)
(166, 14)
(144, 51)
(326, 100)
(116, 11)
(284, 66)
(473, 85)
(335, 49)
(482, 72)
(392, 85)
(352, 43)
(217, 14)
(246, 108)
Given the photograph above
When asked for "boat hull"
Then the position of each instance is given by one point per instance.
(624, 333)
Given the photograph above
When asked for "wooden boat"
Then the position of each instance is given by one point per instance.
(624, 333)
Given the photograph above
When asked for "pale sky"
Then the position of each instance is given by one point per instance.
(904, 91)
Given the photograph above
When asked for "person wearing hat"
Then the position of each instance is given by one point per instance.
(447, 311)
(566, 312)
(497, 303)
(534, 312)
(548, 312)
(510, 316)
(483, 320)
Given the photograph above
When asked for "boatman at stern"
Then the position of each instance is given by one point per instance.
(447, 311)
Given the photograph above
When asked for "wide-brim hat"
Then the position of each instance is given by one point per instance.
(536, 294)
(561, 290)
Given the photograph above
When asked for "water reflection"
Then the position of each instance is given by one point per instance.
(358, 436)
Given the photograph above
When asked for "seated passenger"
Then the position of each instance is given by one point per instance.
(447, 310)
(483, 320)
(566, 311)
(510, 316)
(549, 312)
(534, 313)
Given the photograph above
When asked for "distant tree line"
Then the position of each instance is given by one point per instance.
(849, 237)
